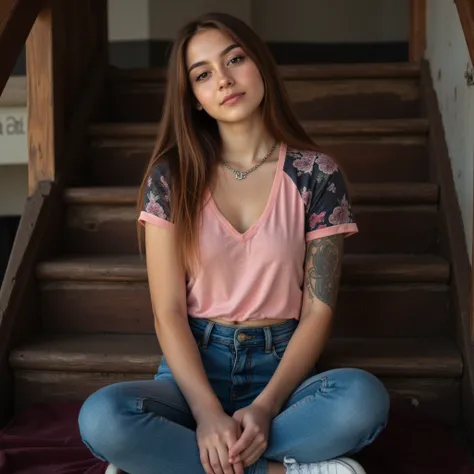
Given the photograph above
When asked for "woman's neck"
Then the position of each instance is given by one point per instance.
(245, 143)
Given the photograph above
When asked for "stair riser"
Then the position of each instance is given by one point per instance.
(112, 229)
(435, 397)
(322, 100)
(391, 311)
(378, 160)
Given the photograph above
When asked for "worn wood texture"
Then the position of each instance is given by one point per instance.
(291, 72)
(436, 397)
(379, 194)
(65, 44)
(452, 246)
(381, 268)
(324, 99)
(19, 294)
(315, 128)
(389, 310)
(122, 162)
(136, 353)
(90, 227)
(16, 20)
(417, 41)
(417, 373)
(466, 15)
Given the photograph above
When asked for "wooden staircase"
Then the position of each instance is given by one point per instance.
(397, 314)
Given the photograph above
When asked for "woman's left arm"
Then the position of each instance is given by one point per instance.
(323, 266)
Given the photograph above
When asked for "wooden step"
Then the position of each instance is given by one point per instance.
(356, 268)
(315, 128)
(291, 72)
(385, 158)
(328, 99)
(368, 310)
(382, 229)
(316, 91)
(70, 367)
(373, 193)
(385, 295)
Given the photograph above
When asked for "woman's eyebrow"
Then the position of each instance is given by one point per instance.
(223, 53)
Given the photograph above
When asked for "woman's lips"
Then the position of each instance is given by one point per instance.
(232, 99)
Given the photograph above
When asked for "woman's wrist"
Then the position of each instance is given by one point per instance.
(206, 408)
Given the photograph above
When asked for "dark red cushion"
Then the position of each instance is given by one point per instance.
(45, 440)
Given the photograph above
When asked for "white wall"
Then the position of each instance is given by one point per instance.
(448, 55)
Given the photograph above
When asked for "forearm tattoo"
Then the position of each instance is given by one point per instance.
(323, 268)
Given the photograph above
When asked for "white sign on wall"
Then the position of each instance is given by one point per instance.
(13, 135)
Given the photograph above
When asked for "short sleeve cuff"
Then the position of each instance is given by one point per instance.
(154, 220)
(346, 229)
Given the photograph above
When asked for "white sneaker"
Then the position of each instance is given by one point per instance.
(112, 470)
(333, 466)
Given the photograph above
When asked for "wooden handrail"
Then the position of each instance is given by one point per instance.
(16, 20)
(417, 42)
(466, 15)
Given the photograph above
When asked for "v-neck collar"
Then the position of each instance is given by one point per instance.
(252, 230)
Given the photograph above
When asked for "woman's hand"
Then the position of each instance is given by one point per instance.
(216, 433)
(255, 422)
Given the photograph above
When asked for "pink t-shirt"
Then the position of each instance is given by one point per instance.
(259, 274)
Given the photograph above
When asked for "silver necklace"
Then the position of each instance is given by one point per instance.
(243, 174)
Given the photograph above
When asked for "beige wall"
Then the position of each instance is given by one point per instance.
(331, 21)
(448, 56)
(13, 189)
(276, 20)
(129, 19)
(167, 18)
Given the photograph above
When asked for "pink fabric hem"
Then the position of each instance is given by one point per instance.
(348, 229)
(155, 220)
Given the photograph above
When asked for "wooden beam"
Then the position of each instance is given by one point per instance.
(16, 19)
(44, 99)
(417, 30)
(466, 15)
(67, 41)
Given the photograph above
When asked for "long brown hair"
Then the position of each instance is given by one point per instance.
(189, 139)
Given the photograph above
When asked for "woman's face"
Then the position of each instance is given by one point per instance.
(225, 81)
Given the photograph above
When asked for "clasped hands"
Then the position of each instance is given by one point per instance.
(229, 444)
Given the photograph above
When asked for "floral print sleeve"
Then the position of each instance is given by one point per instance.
(157, 200)
(323, 190)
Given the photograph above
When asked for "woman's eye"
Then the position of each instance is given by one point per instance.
(201, 76)
(237, 59)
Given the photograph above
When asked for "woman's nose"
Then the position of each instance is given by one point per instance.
(225, 80)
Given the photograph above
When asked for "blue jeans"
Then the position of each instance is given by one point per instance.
(146, 427)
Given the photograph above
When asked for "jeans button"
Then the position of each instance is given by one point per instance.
(242, 337)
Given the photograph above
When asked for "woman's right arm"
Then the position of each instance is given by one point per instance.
(216, 430)
(168, 295)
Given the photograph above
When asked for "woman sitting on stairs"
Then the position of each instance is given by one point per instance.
(244, 226)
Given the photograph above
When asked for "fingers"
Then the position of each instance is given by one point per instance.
(205, 461)
(245, 440)
(254, 451)
(223, 451)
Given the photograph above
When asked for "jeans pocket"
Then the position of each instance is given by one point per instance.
(279, 349)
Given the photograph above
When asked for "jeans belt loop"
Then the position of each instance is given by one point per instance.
(268, 340)
(207, 334)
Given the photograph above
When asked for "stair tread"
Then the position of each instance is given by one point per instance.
(361, 193)
(313, 127)
(125, 353)
(357, 267)
(296, 71)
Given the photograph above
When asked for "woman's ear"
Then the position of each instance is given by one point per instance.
(198, 106)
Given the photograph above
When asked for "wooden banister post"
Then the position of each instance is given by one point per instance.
(65, 43)
(417, 30)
